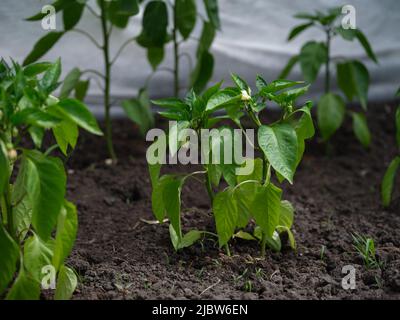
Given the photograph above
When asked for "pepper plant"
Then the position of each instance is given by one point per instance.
(352, 75)
(110, 14)
(37, 224)
(158, 31)
(389, 178)
(255, 195)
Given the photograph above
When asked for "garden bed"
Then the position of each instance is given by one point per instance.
(119, 256)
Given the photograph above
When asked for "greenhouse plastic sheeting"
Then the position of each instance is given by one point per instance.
(252, 41)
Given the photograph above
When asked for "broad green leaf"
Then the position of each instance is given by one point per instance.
(292, 241)
(353, 79)
(4, 168)
(331, 111)
(186, 13)
(206, 38)
(37, 135)
(278, 85)
(78, 113)
(46, 181)
(312, 56)
(50, 77)
(43, 46)
(155, 55)
(81, 89)
(279, 144)
(66, 134)
(172, 202)
(70, 82)
(260, 82)
(305, 126)
(244, 196)
(154, 23)
(37, 254)
(287, 214)
(174, 237)
(139, 111)
(240, 83)
(223, 98)
(244, 235)
(22, 213)
(212, 12)
(266, 208)
(9, 257)
(66, 283)
(274, 242)
(67, 227)
(289, 97)
(157, 198)
(360, 128)
(72, 13)
(299, 29)
(34, 117)
(36, 68)
(203, 71)
(388, 181)
(225, 213)
(289, 66)
(24, 288)
(190, 238)
(256, 174)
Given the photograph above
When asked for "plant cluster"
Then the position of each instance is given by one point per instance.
(391, 172)
(37, 224)
(352, 75)
(246, 198)
(365, 247)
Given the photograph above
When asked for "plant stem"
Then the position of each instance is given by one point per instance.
(176, 54)
(107, 75)
(328, 61)
(228, 251)
(209, 188)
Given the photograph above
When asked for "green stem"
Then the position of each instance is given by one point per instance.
(107, 79)
(176, 54)
(328, 61)
(228, 251)
(209, 188)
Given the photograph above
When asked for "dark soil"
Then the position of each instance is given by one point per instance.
(119, 256)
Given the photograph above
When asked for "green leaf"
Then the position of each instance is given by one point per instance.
(81, 89)
(223, 98)
(66, 284)
(240, 83)
(174, 237)
(353, 79)
(360, 128)
(298, 29)
(367, 47)
(304, 126)
(274, 242)
(226, 215)
(154, 22)
(312, 56)
(9, 257)
(186, 13)
(67, 227)
(58, 6)
(289, 66)
(292, 241)
(139, 111)
(46, 181)
(70, 83)
(172, 202)
(37, 254)
(157, 199)
(66, 134)
(244, 235)
(24, 288)
(72, 13)
(190, 238)
(279, 144)
(155, 55)
(266, 208)
(278, 85)
(35, 117)
(51, 76)
(287, 214)
(78, 113)
(212, 12)
(36, 68)
(388, 181)
(203, 71)
(4, 168)
(42, 46)
(331, 111)
(206, 38)
(37, 134)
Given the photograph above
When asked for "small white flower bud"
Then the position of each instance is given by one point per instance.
(245, 96)
(12, 154)
(108, 162)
